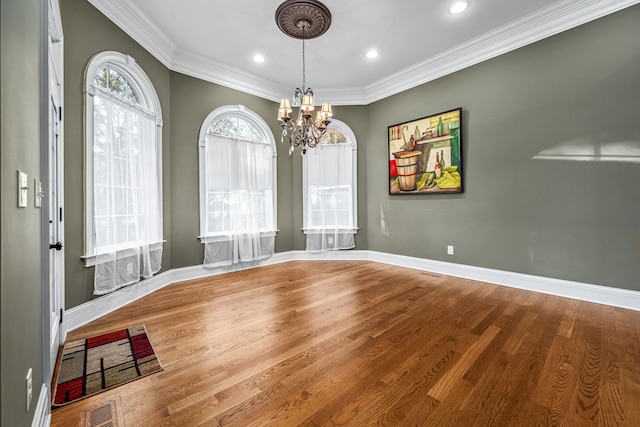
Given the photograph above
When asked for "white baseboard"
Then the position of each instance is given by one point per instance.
(94, 309)
(42, 415)
(105, 304)
(564, 288)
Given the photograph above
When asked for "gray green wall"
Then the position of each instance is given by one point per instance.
(186, 102)
(566, 219)
(569, 219)
(555, 218)
(356, 118)
(191, 102)
(21, 302)
(86, 33)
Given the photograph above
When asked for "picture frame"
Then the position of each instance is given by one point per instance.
(425, 155)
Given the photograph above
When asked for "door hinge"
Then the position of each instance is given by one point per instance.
(60, 214)
(61, 314)
(60, 113)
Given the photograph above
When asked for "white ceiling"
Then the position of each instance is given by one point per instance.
(417, 40)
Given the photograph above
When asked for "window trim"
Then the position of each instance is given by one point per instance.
(144, 89)
(253, 118)
(343, 128)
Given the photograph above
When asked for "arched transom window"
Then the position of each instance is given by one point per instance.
(237, 186)
(330, 190)
(123, 159)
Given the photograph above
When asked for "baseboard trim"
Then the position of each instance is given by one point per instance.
(94, 309)
(105, 304)
(564, 288)
(42, 415)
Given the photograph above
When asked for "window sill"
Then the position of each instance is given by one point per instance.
(341, 230)
(90, 260)
(227, 237)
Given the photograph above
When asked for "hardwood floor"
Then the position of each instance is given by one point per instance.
(324, 343)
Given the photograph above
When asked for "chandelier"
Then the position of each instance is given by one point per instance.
(303, 19)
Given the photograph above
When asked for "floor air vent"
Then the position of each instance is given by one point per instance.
(106, 415)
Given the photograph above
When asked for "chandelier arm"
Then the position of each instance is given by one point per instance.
(296, 140)
(318, 131)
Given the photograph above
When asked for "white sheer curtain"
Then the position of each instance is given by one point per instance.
(329, 222)
(239, 201)
(127, 210)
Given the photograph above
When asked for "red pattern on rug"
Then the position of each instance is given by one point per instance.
(95, 364)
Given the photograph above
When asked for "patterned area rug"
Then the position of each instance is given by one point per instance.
(95, 364)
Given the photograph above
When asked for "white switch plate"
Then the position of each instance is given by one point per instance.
(22, 189)
(450, 250)
(37, 193)
(29, 388)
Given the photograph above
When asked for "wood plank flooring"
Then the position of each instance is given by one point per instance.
(325, 343)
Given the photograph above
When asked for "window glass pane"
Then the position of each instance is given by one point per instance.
(115, 83)
(122, 183)
(238, 177)
(123, 180)
(333, 136)
(330, 180)
(101, 225)
(238, 128)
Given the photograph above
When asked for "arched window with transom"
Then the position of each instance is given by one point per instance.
(330, 194)
(237, 168)
(123, 172)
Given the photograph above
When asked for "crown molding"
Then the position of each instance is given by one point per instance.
(135, 23)
(546, 22)
(342, 96)
(205, 68)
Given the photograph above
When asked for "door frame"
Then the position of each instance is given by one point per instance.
(53, 94)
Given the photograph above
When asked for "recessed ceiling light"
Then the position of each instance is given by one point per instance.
(258, 58)
(372, 54)
(458, 7)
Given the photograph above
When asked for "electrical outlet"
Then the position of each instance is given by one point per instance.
(450, 250)
(29, 384)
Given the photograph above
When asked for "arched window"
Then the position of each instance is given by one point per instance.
(330, 190)
(123, 172)
(237, 162)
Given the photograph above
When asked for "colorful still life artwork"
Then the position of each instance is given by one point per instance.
(425, 155)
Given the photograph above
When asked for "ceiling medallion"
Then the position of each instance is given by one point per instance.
(303, 19)
(292, 13)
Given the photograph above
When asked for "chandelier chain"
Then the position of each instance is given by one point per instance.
(304, 68)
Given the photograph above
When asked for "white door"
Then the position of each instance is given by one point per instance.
(54, 187)
(55, 235)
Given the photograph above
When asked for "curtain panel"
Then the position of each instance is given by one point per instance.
(329, 211)
(239, 224)
(127, 208)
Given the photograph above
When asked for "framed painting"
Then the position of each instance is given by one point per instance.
(425, 155)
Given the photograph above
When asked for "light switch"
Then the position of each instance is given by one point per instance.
(22, 189)
(37, 193)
